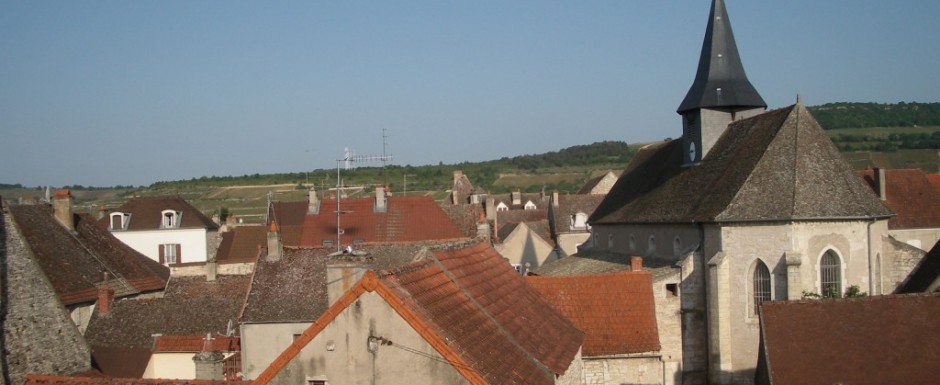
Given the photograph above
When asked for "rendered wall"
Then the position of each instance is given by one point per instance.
(193, 242)
(623, 370)
(262, 343)
(340, 355)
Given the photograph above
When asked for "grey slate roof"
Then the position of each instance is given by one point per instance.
(779, 165)
(720, 80)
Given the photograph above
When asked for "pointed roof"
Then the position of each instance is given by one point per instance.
(467, 303)
(146, 213)
(720, 80)
(776, 166)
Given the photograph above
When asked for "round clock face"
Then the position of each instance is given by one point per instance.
(692, 151)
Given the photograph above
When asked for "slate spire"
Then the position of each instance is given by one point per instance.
(720, 80)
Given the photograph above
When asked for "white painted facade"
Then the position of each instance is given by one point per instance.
(193, 242)
(175, 365)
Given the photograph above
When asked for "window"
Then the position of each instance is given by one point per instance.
(651, 247)
(170, 219)
(119, 221)
(529, 206)
(327, 242)
(632, 243)
(170, 254)
(760, 285)
(579, 221)
(830, 275)
(502, 207)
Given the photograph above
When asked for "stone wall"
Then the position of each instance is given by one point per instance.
(623, 370)
(38, 333)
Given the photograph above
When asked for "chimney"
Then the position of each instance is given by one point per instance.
(274, 244)
(483, 227)
(102, 211)
(105, 297)
(455, 192)
(636, 263)
(380, 202)
(62, 208)
(313, 202)
(555, 198)
(209, 362)
(489, 206)
(880, 182)
(516, 197)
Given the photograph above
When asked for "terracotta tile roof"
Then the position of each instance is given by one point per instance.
(926, 275)
(615, 311)
(407, 219)
(195, 344)
(190, 306)
(34, 379)
(934, 181)
(146, 213)
(467, 303)
(910, 195)
(778, 165)
(75, 263)
(868, 340)
(241, 244)
(121, 362)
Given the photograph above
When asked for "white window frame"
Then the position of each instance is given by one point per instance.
(170, 219)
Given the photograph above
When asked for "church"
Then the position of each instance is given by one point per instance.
(747, 206)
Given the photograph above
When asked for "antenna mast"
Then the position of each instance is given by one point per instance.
(348, 159)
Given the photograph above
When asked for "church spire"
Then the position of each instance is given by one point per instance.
(720, 81)
(720, 93)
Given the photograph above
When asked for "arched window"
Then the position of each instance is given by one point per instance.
(760, 285)
(830, 275)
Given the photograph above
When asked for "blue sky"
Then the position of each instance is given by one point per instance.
(133, 92)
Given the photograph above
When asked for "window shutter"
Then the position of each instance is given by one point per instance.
(162, 254)
(179, 253)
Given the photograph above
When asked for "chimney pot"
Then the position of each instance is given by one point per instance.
(636, 263)
(105, 297)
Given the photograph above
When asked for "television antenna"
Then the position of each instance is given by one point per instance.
(349, 158)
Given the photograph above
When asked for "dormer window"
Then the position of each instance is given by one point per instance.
(529, 205)
(119, 220)
(170, 219)
(502, 207)
(579, 221)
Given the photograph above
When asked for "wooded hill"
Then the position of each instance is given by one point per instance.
(833, 116)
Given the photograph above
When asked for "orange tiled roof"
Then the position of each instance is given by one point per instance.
(186, 344)
(35, 379)
(467, 303)
(407, 219)
(615, 311)
(910, 195)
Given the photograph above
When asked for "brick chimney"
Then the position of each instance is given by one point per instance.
(636, 263)
(274, 244)
(879, 174)
(105, 296)
(313, 202)
(62, 208)
(381, 204)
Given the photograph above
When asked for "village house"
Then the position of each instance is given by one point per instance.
(166, 229)
(913, 199)
(878, 340)
(454, 315)
(59, 267)
(617, 314)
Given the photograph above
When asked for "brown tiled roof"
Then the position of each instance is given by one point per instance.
(516, 216)
(468, 304)
(194, 344)
(190, 306)
(34, 379)
(292, 289)
(465, 217)
(121, 362)
(868, 340)
(910, 195)
(241, 244)
(778, 165)
(926, 275)
(76, 263)
(568, 206)
(290, 220)
(594, 261)
(615, 311)
(407, 219)
(934, 181)
(146, 213)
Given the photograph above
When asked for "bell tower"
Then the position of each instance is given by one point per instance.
(720, 93)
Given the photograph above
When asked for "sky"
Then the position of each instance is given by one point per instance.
(103, 93)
